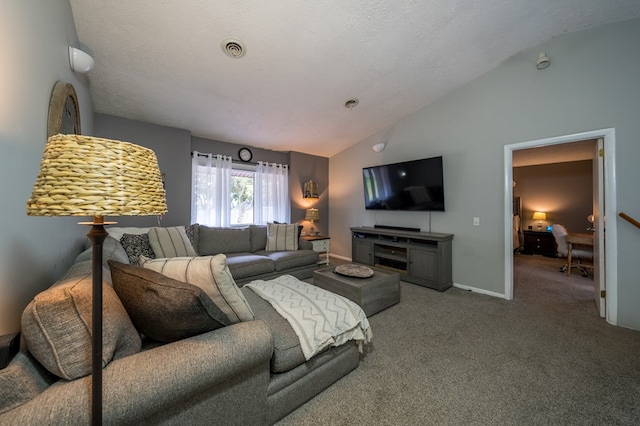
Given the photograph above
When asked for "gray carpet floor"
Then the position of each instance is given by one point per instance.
(458, 357)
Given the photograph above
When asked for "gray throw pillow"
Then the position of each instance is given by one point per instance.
(56, 325)
(136, 245)
(212, 275)
(162, 308)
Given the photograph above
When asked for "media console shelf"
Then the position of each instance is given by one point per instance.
(422, 258)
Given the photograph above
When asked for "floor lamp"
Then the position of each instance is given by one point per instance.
(86, 176)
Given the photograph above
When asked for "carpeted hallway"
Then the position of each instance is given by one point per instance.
(458, 357)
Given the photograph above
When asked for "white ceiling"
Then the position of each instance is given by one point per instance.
(162, 61)
(560, 153)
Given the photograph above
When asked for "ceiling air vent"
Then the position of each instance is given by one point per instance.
(351, 103)
(233, 47)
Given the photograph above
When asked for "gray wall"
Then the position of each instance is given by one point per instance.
(511, 104)
(34, 251)
(173, 150)
(563, 190)
(303, 168)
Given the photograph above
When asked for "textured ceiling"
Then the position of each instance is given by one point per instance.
(162, 61)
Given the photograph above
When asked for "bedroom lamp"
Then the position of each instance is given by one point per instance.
(86, 176)
(539, 216)
(312, 215)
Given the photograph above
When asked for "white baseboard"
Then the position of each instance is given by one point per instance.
(479, 290)
(460, 286)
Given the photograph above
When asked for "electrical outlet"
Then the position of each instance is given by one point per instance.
(476, 221)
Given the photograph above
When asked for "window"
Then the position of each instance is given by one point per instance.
(227, 194)
(242, 182)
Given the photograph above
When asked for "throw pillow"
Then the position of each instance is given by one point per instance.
(282, 237)
(162, 308)
(193, 233)
(212, 275)
(56, 325)
(171, 242)
(136, 245)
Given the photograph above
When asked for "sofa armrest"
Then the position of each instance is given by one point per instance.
(217, 374)
(304, 244)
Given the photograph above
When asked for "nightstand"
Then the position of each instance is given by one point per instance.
(536, 242)
(321, 245)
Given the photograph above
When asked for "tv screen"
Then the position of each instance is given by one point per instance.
(410, 185)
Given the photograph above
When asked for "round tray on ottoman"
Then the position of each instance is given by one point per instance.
(354, 270)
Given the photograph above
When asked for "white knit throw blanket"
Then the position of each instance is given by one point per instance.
(319, 317)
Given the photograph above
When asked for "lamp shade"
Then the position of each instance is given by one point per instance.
(312, 214)
(539, 216)
(87, 176)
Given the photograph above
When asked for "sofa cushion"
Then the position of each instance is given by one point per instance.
(56, 325)
(214, 241)
(258, 237)
(244, 265)
(212, 275)
(162, 308)
(287, 352)
(282, 237)
(284, 260)
(111, 249)
(22, 380)
(171, 242)
(136, 245)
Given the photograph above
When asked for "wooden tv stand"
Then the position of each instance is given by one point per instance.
(422, 258)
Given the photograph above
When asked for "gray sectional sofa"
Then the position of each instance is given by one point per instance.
(244, 248)
(252, 372)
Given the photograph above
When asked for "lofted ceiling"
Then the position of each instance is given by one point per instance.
(161, 61)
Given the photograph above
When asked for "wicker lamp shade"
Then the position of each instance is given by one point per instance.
(312, 214)
(87, 176)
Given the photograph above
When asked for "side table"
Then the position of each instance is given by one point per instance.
(536, 242)
(321, 245)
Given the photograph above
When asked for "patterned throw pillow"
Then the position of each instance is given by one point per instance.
(136, 245)
(171, 242)
(282, 237)
(212, 275)
(162, 308)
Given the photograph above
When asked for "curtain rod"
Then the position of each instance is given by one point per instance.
(200, 154)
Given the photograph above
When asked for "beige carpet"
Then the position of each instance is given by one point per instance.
(458, 357)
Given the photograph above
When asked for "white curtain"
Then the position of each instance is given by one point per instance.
(271, 193)
(210, 189)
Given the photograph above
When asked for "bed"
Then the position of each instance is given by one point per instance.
(518, 237)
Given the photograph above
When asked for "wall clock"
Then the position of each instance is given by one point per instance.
(245, 154)
(64, 110)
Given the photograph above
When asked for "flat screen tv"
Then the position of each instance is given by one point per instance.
(409, 185)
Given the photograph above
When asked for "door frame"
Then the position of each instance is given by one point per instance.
(611, 254)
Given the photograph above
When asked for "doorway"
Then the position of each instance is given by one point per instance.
(609, 275)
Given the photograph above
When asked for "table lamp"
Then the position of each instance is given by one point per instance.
(312, 215)
(87, 176)
(539, 216)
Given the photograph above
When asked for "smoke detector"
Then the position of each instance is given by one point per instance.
(351, 103)
(233, 48)
(543, 61)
